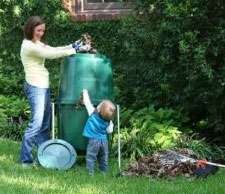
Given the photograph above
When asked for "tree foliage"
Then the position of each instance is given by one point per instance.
(173, 56)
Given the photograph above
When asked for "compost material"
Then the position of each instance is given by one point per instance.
(86, 39)
(163, 164)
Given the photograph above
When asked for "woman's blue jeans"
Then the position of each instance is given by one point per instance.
(37, 131)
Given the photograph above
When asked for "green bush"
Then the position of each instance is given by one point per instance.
(14, 113)
(148, 129)
(201, 147)
(173, 56)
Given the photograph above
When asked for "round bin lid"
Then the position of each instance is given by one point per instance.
(56, 154)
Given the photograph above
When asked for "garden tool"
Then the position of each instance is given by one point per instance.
(199, 163)
(118, 130)
(203, 167)
(118, 141)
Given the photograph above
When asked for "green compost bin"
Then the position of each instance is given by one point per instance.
(78, 72)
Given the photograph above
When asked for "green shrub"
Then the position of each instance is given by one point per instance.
(201, 147)
(147, 130)
(172, 55)
(14, 113)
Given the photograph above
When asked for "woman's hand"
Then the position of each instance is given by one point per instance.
(77, 44)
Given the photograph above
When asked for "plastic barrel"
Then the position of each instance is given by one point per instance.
(78, 72)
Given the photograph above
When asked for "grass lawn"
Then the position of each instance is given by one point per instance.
(15, 179)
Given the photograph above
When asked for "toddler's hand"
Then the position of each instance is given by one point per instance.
(109, 129)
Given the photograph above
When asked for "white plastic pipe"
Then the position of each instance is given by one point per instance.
(118, 130)
(53, 120)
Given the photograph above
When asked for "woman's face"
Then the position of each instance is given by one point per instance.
(38, 32)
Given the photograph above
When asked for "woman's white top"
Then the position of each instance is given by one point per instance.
(33, 57)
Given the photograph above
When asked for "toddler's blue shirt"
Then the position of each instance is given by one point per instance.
(95, 127)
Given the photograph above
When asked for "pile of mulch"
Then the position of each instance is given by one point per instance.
(163, 164)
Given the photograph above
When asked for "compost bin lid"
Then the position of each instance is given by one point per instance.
(56, 154)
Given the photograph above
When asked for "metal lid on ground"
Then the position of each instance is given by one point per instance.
(56, 154)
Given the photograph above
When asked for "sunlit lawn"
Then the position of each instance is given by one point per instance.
(15, 179)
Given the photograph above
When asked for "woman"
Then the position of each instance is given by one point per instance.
(33, 54)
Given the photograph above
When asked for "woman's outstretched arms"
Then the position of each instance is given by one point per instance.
(44, 51)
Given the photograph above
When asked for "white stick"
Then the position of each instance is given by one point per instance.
(185, 159)
(53, 120)
(118, 129)
(215, 164)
